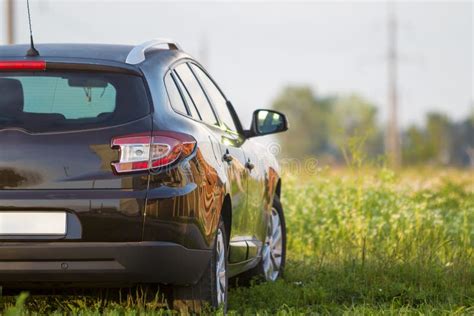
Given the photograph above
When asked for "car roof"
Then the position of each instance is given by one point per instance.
(116, 53)
(97, 52)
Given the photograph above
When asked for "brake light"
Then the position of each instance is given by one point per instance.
(144, 152)
(22, 65)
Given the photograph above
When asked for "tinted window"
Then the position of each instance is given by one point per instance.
(197, 94)
(174, 95)
(187, 97)
(217, 98)
(58, 101)
(71, 102)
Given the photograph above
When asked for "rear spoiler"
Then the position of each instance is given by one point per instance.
(58, 65)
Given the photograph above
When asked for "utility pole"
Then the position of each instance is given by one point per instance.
(10, 21)
(392, 141)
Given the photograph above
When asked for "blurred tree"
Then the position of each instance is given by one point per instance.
(321, 126)
(344, 129)
(309, 119)
(438, 129)
(416, 149)
(462, 144)
(354, 116)
(440, 142)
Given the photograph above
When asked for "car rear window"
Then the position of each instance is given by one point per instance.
(62, 101)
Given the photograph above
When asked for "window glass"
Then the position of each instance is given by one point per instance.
(217, 98)
(61, 101)
(191, 106)
(197, 94)
(53, 95)
(174, 95)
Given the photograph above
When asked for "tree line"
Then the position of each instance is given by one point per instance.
(336, 129)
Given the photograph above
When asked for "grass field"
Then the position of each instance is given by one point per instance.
(360, 242)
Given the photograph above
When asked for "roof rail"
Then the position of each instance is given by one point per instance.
(137, 54)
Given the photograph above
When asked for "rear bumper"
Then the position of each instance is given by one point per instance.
(78, 263)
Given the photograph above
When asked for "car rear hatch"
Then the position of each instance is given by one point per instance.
(57, 122)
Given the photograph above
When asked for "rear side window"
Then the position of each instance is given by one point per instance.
(197, 94)
(174, 95)
(61, 101)
(191, 106)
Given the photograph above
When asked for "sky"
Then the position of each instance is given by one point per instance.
(255, 49)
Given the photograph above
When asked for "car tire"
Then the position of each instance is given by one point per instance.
(211, 291)
(272, 264)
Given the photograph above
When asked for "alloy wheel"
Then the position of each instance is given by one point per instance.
(272, 250)
(221, 280)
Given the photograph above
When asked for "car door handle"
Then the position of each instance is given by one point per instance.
(227, 157)
(249, 165)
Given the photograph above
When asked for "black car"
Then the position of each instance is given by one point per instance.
(124, 165)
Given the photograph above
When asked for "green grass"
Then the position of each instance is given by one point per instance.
(369, 243)
(360, 242)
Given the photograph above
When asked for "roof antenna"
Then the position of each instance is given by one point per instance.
(32, 52)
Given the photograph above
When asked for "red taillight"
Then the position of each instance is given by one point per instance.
(25, 65)
(143, 152)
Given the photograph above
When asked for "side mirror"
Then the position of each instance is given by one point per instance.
(266, 122)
